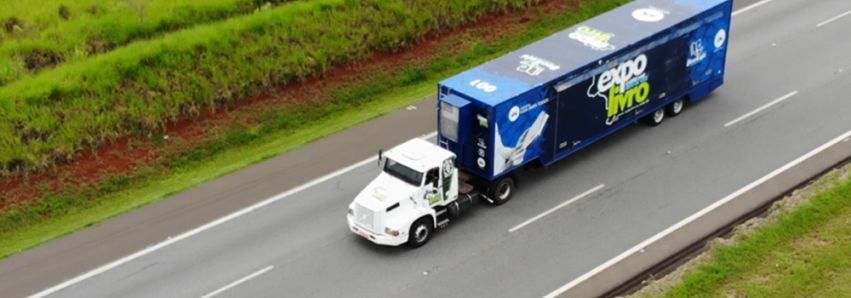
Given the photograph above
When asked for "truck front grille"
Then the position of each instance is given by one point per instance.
(366, 218)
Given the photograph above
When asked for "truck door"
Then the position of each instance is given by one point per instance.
(580, 117)
(576, 119)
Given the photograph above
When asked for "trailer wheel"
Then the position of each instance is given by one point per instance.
(675, 108)
(420, 232)
(656, 118)
(502, 190)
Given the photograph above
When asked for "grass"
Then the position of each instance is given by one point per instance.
(139, 88)
(29, 225)
(805, 253)
(42, 34)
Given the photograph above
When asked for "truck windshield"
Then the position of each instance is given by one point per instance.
(402, 172)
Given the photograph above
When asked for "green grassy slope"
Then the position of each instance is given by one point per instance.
(139, 87)
(38, 35)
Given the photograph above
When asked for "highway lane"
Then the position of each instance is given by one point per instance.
(305, 239)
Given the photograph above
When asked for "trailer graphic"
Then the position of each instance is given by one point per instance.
(542, 103)
(623, 88)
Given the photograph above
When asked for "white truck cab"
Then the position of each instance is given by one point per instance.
(416, 192)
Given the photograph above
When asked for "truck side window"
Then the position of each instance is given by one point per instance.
(432, 176)
(449, 115)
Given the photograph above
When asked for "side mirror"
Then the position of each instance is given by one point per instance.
(380, 157)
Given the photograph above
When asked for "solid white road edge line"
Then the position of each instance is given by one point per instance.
(830, 20)
(760, 109)
(752, 6)
(702, 212)
(565, 203)
(237, 282)
(207, 226)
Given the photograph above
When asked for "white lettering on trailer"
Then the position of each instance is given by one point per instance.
(622, 74)
(482, 85)
(516, 111)
(533, 65)
(593, 38)
(696, 53)
(624, 87)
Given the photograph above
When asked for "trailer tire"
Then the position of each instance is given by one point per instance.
(675, 108)
(502, 190)
(420, 232)
(655, 118)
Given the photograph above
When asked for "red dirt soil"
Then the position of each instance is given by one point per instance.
(126, 155)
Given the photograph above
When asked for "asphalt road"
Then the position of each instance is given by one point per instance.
(299, 246)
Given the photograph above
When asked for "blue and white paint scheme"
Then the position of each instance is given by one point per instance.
(558, 95)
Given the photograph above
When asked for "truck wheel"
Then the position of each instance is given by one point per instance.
(656, 118)
(675, 108)
(502, 190)
(420, 232)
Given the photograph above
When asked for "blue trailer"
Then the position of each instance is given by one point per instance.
(540, 104)
(552, 98)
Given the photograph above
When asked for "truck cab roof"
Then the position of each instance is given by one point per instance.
(419, 154)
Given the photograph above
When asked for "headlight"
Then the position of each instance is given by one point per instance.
(391, 232)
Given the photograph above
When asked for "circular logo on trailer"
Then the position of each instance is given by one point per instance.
(514, 113)
(650, 14)
(720, 38)
(481, 162)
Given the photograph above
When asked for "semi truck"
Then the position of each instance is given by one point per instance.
(537, 105)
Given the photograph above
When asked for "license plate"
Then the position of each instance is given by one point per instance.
(364, 235)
